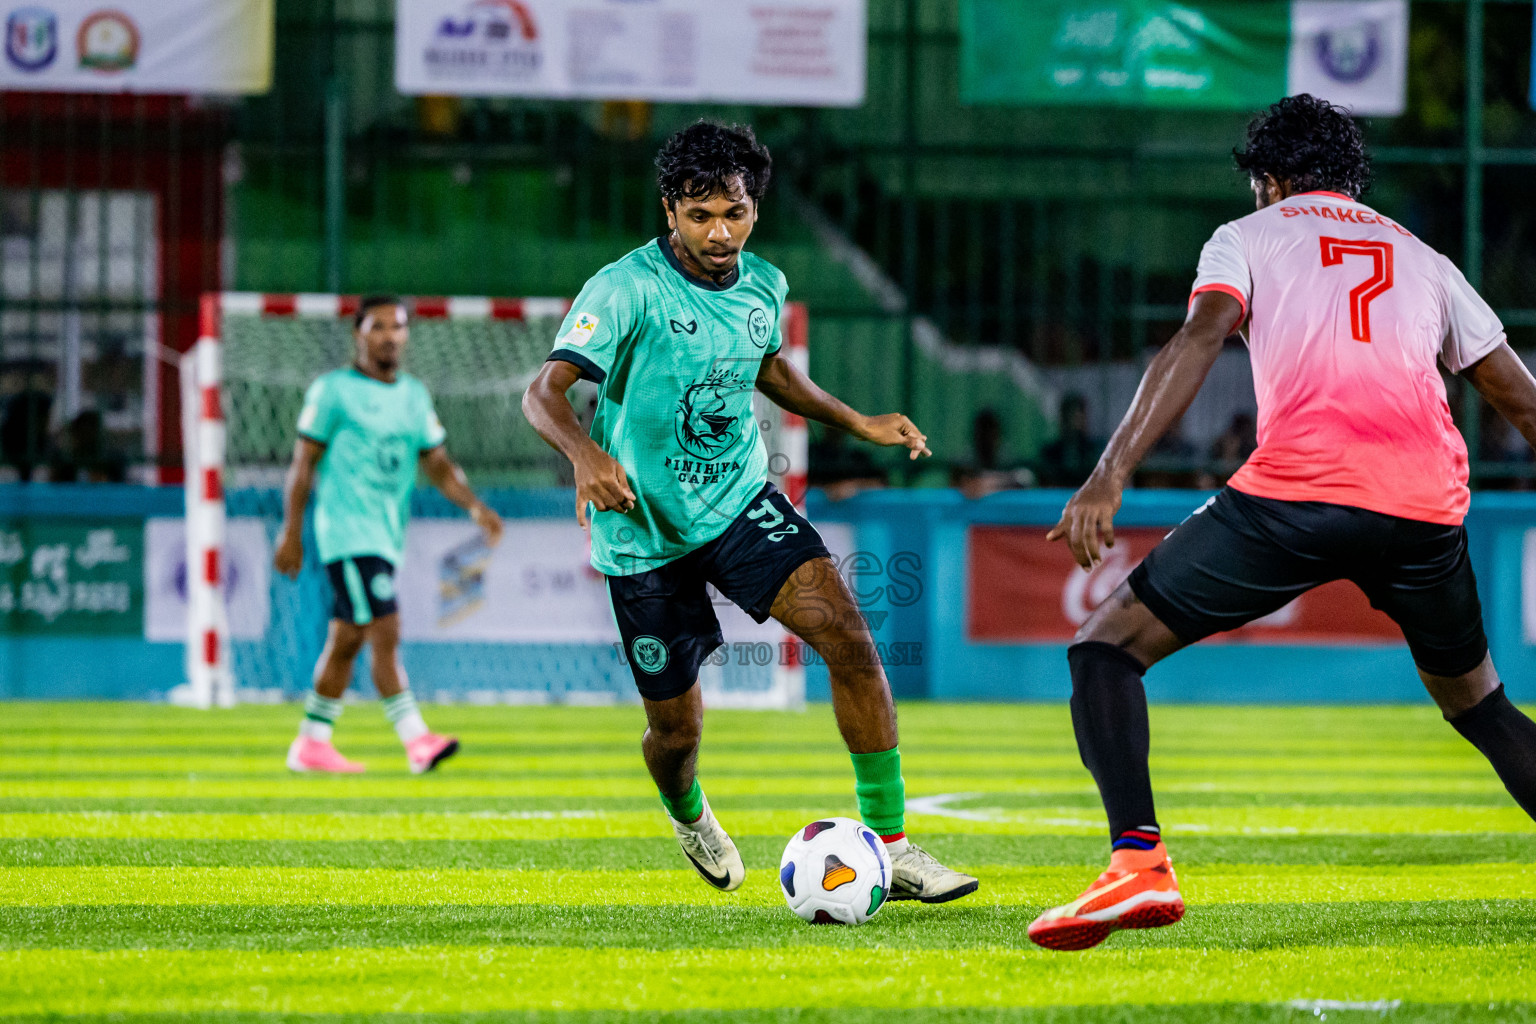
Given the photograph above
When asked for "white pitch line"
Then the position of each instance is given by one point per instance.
(1318, 1006)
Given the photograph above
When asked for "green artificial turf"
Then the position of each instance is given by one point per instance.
(159, 864)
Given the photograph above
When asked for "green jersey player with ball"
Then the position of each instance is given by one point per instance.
(677, 335)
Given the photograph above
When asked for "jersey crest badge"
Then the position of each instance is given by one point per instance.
(758, 327)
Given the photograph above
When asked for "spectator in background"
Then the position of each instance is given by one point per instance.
(1170, 463)
(85, 455)
(988, 471)
(1067, 461)
(842, 470)
(1231, 449)
(24, 430)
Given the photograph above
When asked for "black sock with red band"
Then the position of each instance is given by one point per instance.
(1109, 716)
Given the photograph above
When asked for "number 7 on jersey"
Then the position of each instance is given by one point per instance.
(1360, 297)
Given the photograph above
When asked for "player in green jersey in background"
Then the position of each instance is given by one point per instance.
(364, 430)
(677, 334)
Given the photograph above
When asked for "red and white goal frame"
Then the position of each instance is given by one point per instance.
(210, 678)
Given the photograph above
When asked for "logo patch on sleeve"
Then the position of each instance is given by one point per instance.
(581, 332)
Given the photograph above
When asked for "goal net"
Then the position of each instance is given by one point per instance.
(526, 622)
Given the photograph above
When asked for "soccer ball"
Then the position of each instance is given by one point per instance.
(835, 871)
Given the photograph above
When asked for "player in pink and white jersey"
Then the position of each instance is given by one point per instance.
(1359, 474)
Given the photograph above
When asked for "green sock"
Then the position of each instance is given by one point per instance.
(320, 714)
(688, 808)
(881, 791)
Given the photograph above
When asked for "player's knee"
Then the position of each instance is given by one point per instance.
(347, 640)
(384, 633)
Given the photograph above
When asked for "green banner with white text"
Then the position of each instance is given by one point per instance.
(1218, 54)
(72, 576)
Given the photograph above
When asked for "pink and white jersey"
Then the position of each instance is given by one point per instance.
(1347, 313)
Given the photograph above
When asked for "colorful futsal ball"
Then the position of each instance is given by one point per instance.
(835, 871)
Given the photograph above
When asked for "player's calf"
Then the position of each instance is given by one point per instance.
(1507, 738)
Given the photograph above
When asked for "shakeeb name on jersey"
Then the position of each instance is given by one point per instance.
(1344, 215)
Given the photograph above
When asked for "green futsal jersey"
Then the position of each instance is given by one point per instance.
(373, 433)
(675, 359)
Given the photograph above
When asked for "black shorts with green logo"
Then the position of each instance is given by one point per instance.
(665, 617)
(364, 588)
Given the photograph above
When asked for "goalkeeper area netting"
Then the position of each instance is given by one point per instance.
(527, 621)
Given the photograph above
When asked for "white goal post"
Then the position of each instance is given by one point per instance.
(241, 386)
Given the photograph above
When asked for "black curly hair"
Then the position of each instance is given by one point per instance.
(1309, 143)
(700, 161)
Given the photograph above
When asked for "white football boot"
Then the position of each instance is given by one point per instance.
(710, 850)
(916, 875)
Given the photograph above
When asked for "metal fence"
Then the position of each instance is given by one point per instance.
(968, 264)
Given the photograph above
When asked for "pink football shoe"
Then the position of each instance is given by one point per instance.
(429, 750)
(311, 755)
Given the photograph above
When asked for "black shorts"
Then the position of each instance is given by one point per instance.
(1241, 557)
(665, 618)
(363, 588)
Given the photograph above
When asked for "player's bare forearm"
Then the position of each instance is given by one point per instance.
(446, 475)
(300, 482)
(1502, 378)
(550, 414)
(788, 387)
(1167, 388)
(600, 479)
(1172, 380)
(289, 556)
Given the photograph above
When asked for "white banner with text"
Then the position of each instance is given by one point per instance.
(782, 52)
(535, 587)
(138, 46)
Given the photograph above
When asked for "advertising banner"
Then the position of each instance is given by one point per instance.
(71, 576)
(1023, 589)
(1215, 54)
(788, 52)
(1353, 54)
(141, 46)
(247, 578)
(535, 587)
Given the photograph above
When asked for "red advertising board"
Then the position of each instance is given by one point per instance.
(1021, 589)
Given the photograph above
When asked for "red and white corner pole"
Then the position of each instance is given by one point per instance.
(210, 681)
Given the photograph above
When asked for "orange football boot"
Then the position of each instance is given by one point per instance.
(1139, 890)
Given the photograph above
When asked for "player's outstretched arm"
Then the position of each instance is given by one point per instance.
(788, 387)
(447, 477)
(1172, 380)
(1502, 378)
(600, 479)
(289, 558)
